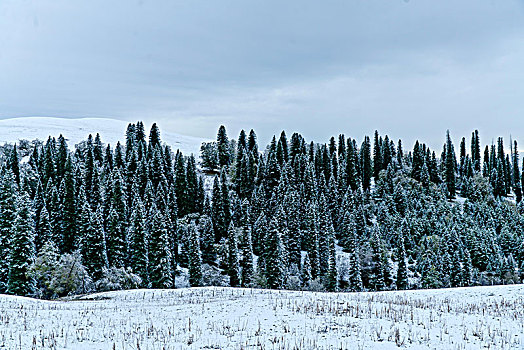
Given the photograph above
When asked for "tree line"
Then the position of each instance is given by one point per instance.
(294, 215)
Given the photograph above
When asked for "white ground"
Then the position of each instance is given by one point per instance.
(226, 318)
(76, 130)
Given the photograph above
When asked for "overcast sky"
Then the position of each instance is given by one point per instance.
(408, 68)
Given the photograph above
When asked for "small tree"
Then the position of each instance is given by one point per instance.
(118, 278)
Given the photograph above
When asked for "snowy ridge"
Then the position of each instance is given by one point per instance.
(228, 318)
(76, 130)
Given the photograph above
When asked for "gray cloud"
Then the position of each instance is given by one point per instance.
(406, 68)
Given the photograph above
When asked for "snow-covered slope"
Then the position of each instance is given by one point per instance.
(227, 318)
(76, 130)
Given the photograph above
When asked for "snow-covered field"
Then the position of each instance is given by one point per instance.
(76, 130)
(227, 318)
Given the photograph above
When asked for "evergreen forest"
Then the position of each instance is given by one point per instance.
(345, 215)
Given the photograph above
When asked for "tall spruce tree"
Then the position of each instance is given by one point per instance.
(160, 256)
(273, 257)
(138, 242)
(367, 169)
(7, 217)
(68, 208)
(450, 166)
(94, 242)
(224, 155)
(22, 248)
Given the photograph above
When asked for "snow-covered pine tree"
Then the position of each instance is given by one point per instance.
(161, 274)
(402, 270)
(138, 240)
(22, 248)
(233, 256)
(305, 271)
(354, 273)
(195, 257)
(7, 216)
(43, 233)
(224, 156)
(207, 240)
(376, 279)
(450, 166)
(246, 263)
(68, 204)
(273, 257)
(331, 279)
(191, 186)
(95, 257)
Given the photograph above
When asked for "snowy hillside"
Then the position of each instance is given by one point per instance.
(226, 318)
(76, 130)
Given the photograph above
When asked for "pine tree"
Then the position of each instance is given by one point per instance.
(233, 257)
(273, 256)
(191, 186)
(61, 158)
(7, 217)
(156, 166)
(217, 210)
(475, 150)
(517, 188)
(355, 274)
(43, 232)
(400, 154)
(52, 202)
(305, 272)
(138, 241)
(351, 162)
(97, 151)
(68, 207)
(252, 145)
(402, 271)
(450, 166)
(467, 269)
(181, 186)
(325, 228)
(377, 278)
(310, 238)
(367, 170)
(377, 156)
(332, 274)
(207, 239)
(247, 258)
(154, 136)
(94, 250)
(195, 257)
(224, 156)
(425, 177)
(455, 270)
(225, 200)
(115, 239)
(160, 256)
(172, 225)
(22, 250)
(14, 164)
(418, 161)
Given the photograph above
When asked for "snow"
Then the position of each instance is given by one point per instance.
(76, 130)
(228, 318)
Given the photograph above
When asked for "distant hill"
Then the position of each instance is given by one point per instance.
(76, 130)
